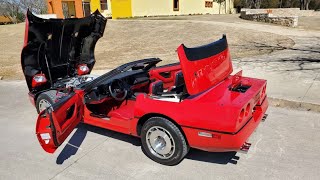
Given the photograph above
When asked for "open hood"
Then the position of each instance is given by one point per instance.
(55, 47)
(205, 66)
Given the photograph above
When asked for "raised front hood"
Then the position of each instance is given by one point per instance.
(55, 47)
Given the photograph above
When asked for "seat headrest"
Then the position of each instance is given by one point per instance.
(156, 88)
(179, 80)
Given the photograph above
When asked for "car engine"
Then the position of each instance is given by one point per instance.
(73, 82)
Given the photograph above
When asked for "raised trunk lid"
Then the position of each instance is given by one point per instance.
(205, 66)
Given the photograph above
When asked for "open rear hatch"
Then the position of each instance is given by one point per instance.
(55, 47)
(205, 66)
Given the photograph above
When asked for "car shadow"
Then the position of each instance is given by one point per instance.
(73, 145)
(213, 157)
(78, 137)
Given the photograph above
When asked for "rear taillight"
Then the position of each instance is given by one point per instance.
(38, 80)
(244, 113)
(83, 69)
(247, 112)
(241, 116)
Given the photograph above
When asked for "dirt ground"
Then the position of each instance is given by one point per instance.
(310, 23)
(128, 40)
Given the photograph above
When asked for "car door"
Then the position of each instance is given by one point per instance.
(56, 123)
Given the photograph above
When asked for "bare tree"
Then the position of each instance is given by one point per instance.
(303, 4)
(220, 2)
(8, 6)
(11, 8)
(36, 6)
(255, 4)
(17, 8)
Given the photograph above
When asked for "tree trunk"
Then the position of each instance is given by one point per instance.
(302, 4)
(225, 6)
(307, 4)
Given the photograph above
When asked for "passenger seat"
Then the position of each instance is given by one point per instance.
(178, 82)
(156, 88)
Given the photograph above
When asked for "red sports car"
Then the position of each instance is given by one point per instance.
(195, 103)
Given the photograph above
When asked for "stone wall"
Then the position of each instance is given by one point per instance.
(282, 11)
(290, 21)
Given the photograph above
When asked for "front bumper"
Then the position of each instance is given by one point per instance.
(221, 142)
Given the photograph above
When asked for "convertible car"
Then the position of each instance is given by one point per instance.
(195, 103)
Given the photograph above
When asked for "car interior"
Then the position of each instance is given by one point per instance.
(164, 83)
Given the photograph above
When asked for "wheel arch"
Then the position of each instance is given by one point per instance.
(36, 95)
(145, 118)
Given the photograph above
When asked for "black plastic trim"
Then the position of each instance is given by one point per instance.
(206, 51)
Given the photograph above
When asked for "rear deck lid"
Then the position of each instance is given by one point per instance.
(55, 47)
(205, 66)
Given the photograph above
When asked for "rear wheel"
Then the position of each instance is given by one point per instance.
(163, 141)
(45, 100)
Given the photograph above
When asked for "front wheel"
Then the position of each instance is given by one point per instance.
(45, 100)
(163, 141)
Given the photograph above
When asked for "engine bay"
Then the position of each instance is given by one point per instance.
(73, 81)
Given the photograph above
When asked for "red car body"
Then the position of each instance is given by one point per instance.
(219, 113)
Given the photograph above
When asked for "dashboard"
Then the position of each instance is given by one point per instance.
(131, 82)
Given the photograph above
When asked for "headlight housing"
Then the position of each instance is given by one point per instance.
(83, 69)
(38, 80)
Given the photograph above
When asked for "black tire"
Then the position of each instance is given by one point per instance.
(49, 96)
(179, 141)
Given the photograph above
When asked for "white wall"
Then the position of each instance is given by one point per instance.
(186, 7)
(153, 8)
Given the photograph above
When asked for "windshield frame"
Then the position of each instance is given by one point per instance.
(150, 62)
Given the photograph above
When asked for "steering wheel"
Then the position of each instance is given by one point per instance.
(117, 89)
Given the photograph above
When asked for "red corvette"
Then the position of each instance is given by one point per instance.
(195, 103)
